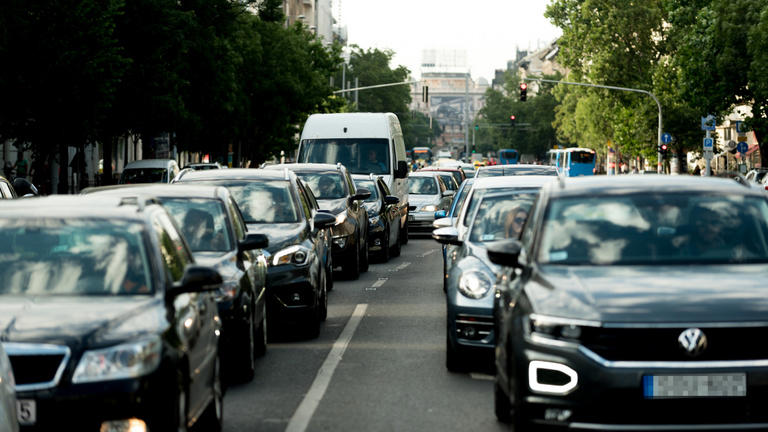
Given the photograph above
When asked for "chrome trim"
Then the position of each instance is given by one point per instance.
(486, 323)
(684, 325)
(546, 319)
(541, 340)
(671, 364)
(27, 349)
(673, 427)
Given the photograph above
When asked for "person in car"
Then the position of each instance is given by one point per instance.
(514, 221)
(373, 164)
(198, 229)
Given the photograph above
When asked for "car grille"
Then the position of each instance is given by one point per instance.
(35, 366)
(473, 327)
(412, 208)
(661, 344)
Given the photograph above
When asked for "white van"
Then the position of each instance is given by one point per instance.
(149, 171)
(366, 143)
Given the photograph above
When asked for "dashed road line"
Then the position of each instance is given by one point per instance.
(400, 267)
(481, 376)
(429, 252)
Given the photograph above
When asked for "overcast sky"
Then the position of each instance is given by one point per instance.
(488, 29)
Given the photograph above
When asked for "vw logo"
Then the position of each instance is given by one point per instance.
(693, 341)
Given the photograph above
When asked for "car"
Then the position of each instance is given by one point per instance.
(216, 233)
(449, 218)
(756, 175)
(149, 171)
(337, 194)
(500, 208)
(454, 170)
(205, 166)
(8, 412)
(6, 189)
(516, 169)
(299, 275)
(428, 194)
(109, 322)
(625, 292)
(448, 180)
(383, 217)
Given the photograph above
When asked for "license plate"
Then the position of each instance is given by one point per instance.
(26, 411)
(690, 386)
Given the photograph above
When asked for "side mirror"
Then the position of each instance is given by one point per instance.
(362, 194)
(447, 236)
(324, 220)
(443, 222)
(504, 252)
(197, 279)
(440, 214)
(391, 200)
(449, 193)
(24, 188)
(402, 169)
(253, 241)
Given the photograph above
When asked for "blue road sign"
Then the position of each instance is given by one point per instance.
(708, 144)
(666, 138)
(742, 147)
(708, 123)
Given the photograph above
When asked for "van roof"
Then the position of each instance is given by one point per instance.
(348, 125)
(149, 163)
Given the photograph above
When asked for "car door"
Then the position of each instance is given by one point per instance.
(196, 313)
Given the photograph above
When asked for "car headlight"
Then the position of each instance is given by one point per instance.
(298, 255)
(122, 361)
(341, 217)
(227, 290)
(373, 220)
(556, 328)
(429, 208)
(475, 284)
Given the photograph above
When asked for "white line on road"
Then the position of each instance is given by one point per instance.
(429, 252)
(481, 376)
(379, 282)
(400, 267)
(309, 404)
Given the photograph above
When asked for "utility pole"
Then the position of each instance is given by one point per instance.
(466, 116)
(357, 93)
(628, 89)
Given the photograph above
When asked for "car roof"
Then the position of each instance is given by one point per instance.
(236, 174)
(512, 181)
(514, 167)
(76, 207)
(303, 167)
(437, 168)
(619, 185)
(161, 190)
(149, 163)
(432, 174)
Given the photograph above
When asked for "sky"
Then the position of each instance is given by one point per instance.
(489, 30)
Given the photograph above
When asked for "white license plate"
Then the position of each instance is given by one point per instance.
(26, 411)
(689, 386)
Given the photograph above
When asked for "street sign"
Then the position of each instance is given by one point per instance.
(741, 138)
(666, 138)
(708, 123)
(709, 144)
(742, 147)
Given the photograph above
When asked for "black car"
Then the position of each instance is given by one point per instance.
(279, 205)
(383, 217)
(636, 304)
(336, 193)
(106, 317)
(217, 235)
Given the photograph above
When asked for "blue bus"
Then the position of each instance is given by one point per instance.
(573, 162)
(508, 157)
(422, 154)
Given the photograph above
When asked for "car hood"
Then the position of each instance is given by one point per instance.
(334, 206)
(651, 294)
(422, 200)
(223, 262)
(76, 321)
(280, 235)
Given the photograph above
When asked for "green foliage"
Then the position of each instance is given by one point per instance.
(371, 67)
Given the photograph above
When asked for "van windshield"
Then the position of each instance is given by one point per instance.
(359, 155)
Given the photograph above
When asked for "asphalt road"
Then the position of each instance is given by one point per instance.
(378, 365)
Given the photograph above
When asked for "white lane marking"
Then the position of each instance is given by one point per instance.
(400, 267)
(481, 376)
(379, 282)
(309, 404)
(429, 252)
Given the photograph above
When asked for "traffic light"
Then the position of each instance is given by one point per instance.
(477, 127)
(663, 149)
(512, 120)
(523, 92)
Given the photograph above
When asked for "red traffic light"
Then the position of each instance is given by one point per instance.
(523, 86)
(512, 117)
(663, 147)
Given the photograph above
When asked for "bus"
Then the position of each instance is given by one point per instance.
(508, 157)
(422, 155)
(573, 162)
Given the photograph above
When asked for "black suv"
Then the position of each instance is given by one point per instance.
(216, 233)
(337, 194)
(279, 205)
(106, 317)
(635, 304)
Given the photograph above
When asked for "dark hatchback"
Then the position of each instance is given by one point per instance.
(107, 319)
(336, 194)
(279, 205)
(636, 304)
(383, 217)
(216, 233)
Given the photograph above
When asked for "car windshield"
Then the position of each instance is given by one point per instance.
(501, 216)
(268, 201)
(449, 183)
(422, 186)
(327, 185)
(144, 175)
(582, 156)
(646, 228)
(459, 200)
(371, 186)
(51, 256)
(203, 223)
(359, 155)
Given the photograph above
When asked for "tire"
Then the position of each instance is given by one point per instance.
(395, 252)
(329, 275)
(247, 353)
(352, 269)
(501, 406)
(212, 418)
(364, 262)
(404, 234)
(323, 313)
(385, 252)
(261, 335)
(454, 359)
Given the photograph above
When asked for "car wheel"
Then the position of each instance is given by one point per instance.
(364, 263)
(261, 335)
(213, 416)
(454, 358)
(329, 274)
(352, 269)
(404, 234)
(395, 252)
(385, 252)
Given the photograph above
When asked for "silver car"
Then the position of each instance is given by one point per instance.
(428, 194)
